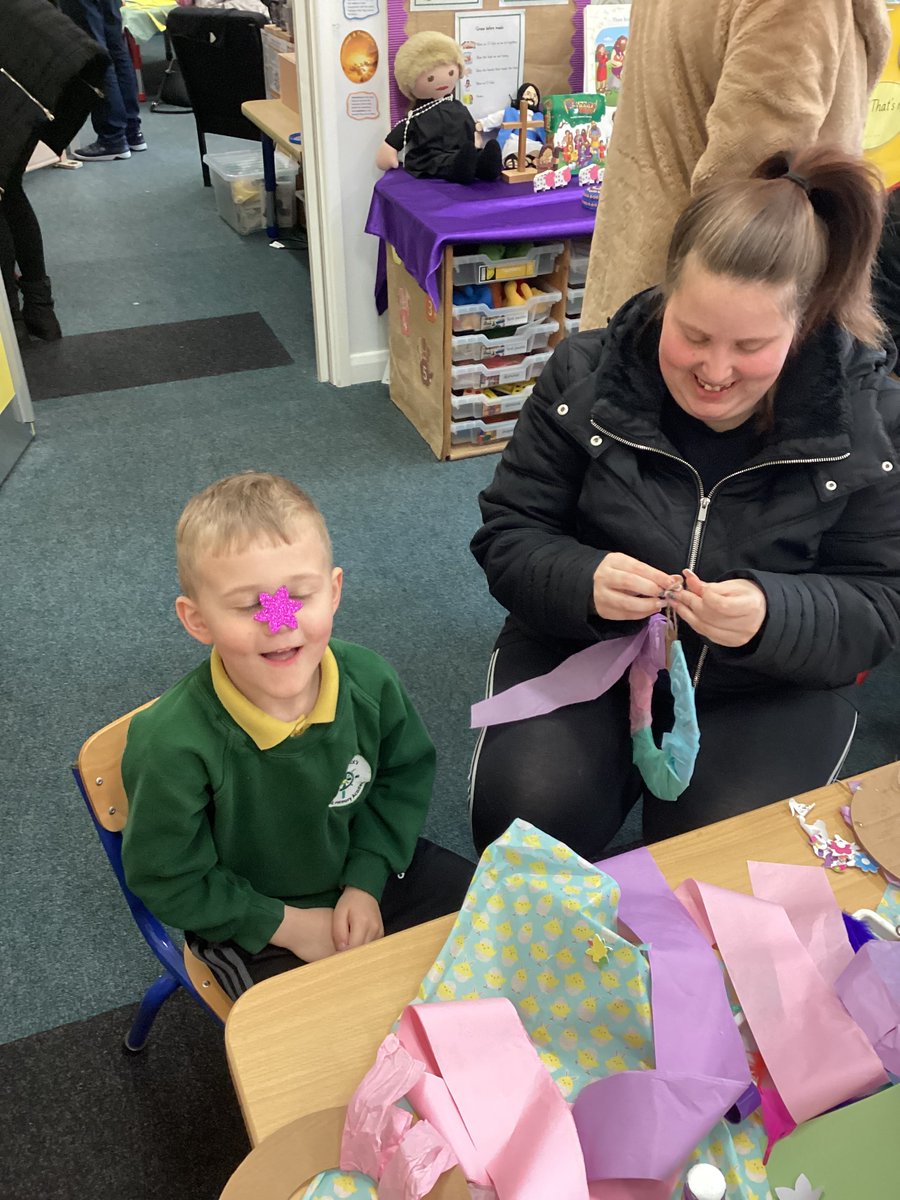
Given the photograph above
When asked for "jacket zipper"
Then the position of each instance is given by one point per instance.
(704, 502)
(46, 111)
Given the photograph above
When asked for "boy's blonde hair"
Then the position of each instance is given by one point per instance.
(237, 510)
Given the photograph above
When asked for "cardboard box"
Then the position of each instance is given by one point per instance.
(287, 80)
(274, 42)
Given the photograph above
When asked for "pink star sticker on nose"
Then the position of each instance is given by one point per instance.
(278, 610)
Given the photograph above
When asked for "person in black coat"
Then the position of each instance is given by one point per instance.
(50, 75)
(736, 429)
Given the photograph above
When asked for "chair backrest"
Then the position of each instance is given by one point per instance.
(221, 58)
(98, 773)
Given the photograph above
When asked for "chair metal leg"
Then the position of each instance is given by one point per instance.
(154, 998)
(201, 141)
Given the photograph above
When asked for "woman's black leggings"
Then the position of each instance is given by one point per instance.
(570, 772)
(20, 233)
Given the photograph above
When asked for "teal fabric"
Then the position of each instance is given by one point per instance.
(667, 769)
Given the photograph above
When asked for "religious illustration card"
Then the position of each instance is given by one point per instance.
(605, 46)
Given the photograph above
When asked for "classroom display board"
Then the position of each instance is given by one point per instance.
(554, 39)
(881, 138)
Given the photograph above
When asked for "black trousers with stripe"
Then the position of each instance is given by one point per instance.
(434, 884)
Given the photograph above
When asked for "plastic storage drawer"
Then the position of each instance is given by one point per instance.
(476, 347)
(471, 318)
(480, 432)
(477, 404)
(579, 254)
(479, 268)
(574, 301)
(480, 375)
(573, 324)
(237, 179)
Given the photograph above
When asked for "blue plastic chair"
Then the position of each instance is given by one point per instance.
(98, 774)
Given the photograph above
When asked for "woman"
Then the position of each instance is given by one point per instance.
(713, 87)
(50, 74)
(737, 428)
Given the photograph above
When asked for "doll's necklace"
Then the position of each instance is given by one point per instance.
(418, 112)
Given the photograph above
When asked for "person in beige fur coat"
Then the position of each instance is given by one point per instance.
(710, 88)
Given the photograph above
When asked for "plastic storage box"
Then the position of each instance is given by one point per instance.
(475, 347)
(478, 268)
(579, 254)
(237, 179)
(480, 375)
(574, 301)
(471, 318)
(573, 324)
(480, 432)
(477, 404)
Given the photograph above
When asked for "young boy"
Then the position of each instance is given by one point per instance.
(277, 792)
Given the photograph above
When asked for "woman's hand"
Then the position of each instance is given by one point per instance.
(730, 613)
(626, 589)
(357, 919)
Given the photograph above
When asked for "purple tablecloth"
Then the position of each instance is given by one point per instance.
(420, 216)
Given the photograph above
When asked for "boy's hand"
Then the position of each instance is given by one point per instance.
(357, 919)
(306, 932)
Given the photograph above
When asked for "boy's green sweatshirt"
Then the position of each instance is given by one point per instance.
(221, 835)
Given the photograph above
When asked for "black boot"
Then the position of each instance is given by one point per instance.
(490, 162)
(12, 294)
(462, 169)
(37, 310)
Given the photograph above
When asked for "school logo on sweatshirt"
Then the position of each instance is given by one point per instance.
(357, 775)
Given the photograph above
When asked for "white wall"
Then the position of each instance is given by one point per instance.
(339, 174)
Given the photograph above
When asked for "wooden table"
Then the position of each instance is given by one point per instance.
(277, 123)
(303, 1040)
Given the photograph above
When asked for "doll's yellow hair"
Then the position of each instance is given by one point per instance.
(421, 52)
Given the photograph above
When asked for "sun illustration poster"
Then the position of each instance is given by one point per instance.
(359, 56)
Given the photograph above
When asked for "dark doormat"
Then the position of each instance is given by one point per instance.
(126, 358)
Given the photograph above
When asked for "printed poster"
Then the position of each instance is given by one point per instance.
(442, 5)
(493, 46)
(605, 45)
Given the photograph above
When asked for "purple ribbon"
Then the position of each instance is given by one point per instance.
(644, 1124)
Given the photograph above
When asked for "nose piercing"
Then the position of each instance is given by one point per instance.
(278, 610)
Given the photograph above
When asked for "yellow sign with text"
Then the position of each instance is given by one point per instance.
(881, 137)
(7, 391)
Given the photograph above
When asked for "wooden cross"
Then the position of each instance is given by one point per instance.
(521, 173)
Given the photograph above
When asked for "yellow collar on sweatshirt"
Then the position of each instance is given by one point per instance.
(268, 731)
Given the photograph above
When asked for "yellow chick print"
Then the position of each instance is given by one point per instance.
(532, 841)
(634, 1039)
(587, 1009)
(624, 955)
(490, 875)
(716, 1148)
(437, 971)
(547, 981)
(594, 899)
(618, 1009)
(561, 852)
(457, 944)
(521, 906)
(529, 1006)
(636, 986)
(600, 1033)
(743, 1143)
(446, 990)
(539, 951)
(597, 951)
(538, 867)
(542, 1036)
(509, 954)
(568, 1039)
(560, 1009)
(616, 1063)
(513, 857)
(480, 922)
(553, 928)
(732, 1178)
(526, 931)
(588, 1060)
(504, 931)
(575, 983)
(571, 904)
(582, 932)
(471, 996)
(566, 1085)
(614, 897)
(537, 884)
(343, 1185)
(642, 1008)
(514, 882)
(462, 971)
(495, 903)
(484, 950)
(565, 957)
(494, 979)
(593, 881)
(564, 879)
(544, 905)
(755, 1169)
(609, 979)
(550, 1060)
(519, 981)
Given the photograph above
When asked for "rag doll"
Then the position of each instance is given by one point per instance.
(438, 133)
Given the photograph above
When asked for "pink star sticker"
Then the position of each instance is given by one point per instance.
(278, 610)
